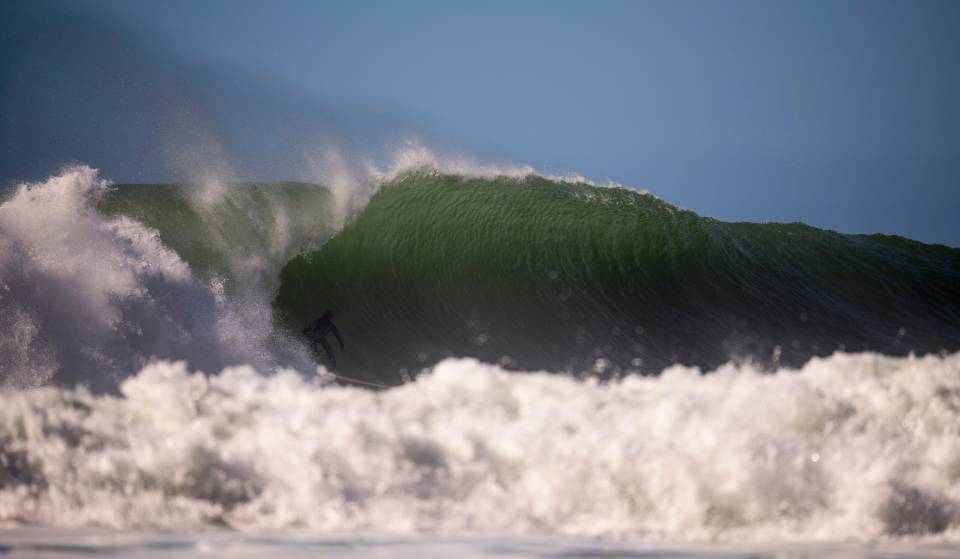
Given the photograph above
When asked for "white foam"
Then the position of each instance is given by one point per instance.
(412, 156)
(89, 299)
(852, 447)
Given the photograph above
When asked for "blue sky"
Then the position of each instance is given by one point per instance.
(839, 114)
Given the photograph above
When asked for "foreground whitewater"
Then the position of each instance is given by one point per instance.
(851, 447)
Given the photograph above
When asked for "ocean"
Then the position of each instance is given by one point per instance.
(534, 366)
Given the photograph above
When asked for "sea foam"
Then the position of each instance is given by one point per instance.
(88, 299)
(852, 447)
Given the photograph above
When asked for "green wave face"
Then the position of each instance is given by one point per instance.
(537, 274)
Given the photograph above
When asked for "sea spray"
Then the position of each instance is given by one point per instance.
(88, 296)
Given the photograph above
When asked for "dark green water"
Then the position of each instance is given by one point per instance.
(544, 275)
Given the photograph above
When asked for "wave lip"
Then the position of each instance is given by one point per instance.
(851, 447)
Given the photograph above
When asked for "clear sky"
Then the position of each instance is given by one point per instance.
(840, 114)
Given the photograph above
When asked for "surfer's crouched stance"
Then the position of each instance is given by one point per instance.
(317, 332)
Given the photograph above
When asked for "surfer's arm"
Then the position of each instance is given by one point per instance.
(336, 333)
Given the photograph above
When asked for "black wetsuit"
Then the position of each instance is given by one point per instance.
(317, 332)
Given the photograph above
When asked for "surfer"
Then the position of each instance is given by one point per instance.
(317, 332)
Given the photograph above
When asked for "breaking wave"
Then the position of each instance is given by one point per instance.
(90, 292)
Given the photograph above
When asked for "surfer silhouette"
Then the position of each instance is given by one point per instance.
(317, 332)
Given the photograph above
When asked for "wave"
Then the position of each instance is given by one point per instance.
(494, 263)
(534, 273)
(851, 447)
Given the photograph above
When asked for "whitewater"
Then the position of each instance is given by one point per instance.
(156, 399)
(850, 447)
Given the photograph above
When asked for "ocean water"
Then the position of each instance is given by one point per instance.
(138, 545)
(535, 367)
